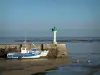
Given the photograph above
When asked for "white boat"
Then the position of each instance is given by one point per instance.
(44, 53)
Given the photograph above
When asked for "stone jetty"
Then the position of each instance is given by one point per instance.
(55, 50)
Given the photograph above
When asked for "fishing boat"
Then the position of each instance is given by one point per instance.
(25, 53)
(34, 53)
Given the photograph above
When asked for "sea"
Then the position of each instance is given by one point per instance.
(86, 53)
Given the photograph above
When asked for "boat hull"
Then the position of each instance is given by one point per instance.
(22, 55)
(37, 54)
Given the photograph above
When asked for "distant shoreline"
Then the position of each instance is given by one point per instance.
(94, 40)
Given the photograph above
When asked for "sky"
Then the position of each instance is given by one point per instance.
(73, 18)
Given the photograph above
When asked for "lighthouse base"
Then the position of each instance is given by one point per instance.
(54, 42)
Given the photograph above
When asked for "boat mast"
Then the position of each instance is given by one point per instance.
(25, 41)
(33, 45)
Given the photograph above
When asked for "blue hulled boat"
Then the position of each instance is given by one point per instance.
(34, 53)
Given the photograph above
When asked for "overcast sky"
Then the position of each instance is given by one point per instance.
(36, 17)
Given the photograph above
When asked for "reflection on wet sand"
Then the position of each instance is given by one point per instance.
(31, 66)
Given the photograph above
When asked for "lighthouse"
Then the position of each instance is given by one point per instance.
(54, 30)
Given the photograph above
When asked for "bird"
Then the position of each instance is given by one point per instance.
(77, 61)
(89, 61)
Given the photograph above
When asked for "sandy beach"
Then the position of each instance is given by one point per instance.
(30, 66)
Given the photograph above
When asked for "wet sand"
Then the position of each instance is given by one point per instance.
(30, 66)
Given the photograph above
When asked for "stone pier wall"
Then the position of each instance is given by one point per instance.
(55, 50)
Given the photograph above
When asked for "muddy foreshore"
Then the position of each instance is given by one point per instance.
(29, 66)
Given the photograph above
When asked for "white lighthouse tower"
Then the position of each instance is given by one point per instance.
(54, 30)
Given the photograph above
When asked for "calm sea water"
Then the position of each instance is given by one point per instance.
(89, 64)
(89, 55)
